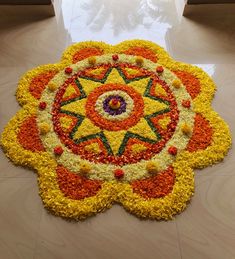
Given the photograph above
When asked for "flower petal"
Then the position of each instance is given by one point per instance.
(202, 134)
(83, 50)
(34, 82)
(156, 186)
(191, 83)
(28, 135)
(75, 186)
(139, 48)
(39, 82)
(78, 198)
(215, 152)
(86, 53)
(14, 149)
(143, 52)
(160, 207)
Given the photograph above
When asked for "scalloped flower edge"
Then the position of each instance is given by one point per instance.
(111, 192)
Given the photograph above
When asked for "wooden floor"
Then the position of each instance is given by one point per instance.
(206, 230)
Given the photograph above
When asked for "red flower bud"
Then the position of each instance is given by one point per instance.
(172, 150)
(68, 70)
(42, 105)
(58, 150)
(186, 103)
(118, 173)
(115, 57)
(159, 69)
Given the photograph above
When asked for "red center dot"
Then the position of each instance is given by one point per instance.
(114, 104)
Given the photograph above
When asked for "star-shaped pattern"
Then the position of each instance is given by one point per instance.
(114, 141)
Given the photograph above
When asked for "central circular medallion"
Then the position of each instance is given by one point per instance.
(114, 107)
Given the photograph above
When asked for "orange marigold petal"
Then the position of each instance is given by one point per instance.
(38, 84)
(28, 135)
(157, 186)
(191, 83)
(143, 52)
(202, 134)
(75, 186)
(86, 53)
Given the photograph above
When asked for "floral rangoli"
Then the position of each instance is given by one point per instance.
(122, 123)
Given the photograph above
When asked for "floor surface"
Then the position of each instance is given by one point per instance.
(206, 229)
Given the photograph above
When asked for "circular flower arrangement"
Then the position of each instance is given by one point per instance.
(122, 123)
